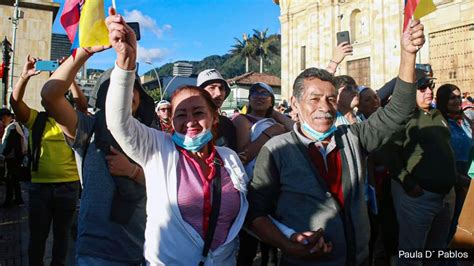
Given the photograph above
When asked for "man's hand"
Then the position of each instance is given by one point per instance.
(413, 38)
(309, 245)
(342, 50)
(123, 40)
(118, 163)
(29, 69)
(415, 192)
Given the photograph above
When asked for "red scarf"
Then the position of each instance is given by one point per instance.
(206, 180)
(332, 176)
(166, 126)
(456, 117)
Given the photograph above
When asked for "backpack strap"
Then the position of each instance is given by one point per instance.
(216, 205)
(87, 147)
(36, 136)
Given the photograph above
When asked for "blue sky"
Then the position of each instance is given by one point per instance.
(174, 30)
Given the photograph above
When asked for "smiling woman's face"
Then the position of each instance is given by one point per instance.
(191, 114)
(260, 99)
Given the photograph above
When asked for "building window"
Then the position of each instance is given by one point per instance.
(360, 70)
(303, 57)
(359, 26)
(355, 18)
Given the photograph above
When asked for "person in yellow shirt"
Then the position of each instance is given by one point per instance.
(54, 188)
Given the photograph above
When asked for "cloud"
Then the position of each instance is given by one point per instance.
(153, 54)
(146, 22)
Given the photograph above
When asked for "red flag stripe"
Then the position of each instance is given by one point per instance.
(410, 8)
(70, 18)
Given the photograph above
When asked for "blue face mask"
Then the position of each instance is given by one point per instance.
(192, 144)
(318, 135)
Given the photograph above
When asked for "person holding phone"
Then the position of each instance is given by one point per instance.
(111, 220)
(343, 49)
(196, 190)
(54, 188)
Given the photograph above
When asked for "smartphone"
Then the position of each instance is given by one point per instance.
(136, 28)
(343, 36)
(46, 65)
(425, 67)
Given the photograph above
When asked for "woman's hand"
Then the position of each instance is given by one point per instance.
(29, 69)
(276, 129)
(123, 40)
(342, 50)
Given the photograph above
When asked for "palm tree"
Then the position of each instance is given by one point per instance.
(264, 45)
(244, 48)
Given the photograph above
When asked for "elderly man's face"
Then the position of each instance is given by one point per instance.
(317, 105)
(164, 111)
(424, 97)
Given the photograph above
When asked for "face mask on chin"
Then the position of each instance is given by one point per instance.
(192, 144)
(319, 136)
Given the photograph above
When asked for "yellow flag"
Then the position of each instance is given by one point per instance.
(423, 8)
(243, 110)
(92, 28)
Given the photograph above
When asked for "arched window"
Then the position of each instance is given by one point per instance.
(359, 26)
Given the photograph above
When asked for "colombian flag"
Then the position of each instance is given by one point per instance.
(418, 9)
(84, 23)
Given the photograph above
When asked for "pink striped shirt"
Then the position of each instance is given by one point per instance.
(191, 200)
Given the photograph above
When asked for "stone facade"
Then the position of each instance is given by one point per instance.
(33, 37)
(308, 37)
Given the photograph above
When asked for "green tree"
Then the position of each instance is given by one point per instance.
(155, 94)
(244, 48)
(264, 45)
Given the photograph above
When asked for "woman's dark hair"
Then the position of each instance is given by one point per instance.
(344, 80)
(442, 97)
(207, 97)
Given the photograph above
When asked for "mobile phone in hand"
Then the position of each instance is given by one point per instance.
(136, 28)
(343, 36)
(46, 65)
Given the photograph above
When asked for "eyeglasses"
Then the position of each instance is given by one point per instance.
(165, 109)
(260, 93)
(424, 84)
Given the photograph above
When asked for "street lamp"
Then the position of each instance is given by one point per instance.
(167, 85)
(17, 15)
(6, 50)
(157, 77)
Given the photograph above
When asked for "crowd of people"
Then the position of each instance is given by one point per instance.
(345, 175)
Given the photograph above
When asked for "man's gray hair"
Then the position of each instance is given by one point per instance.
(310, 73)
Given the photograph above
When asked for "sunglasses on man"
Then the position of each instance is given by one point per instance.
(430, 86)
